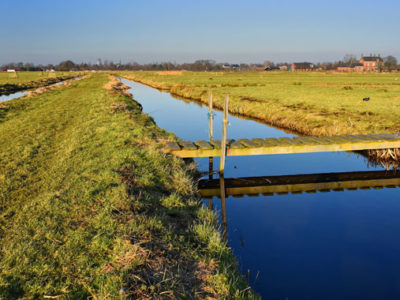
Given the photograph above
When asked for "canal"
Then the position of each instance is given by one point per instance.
(323, 245)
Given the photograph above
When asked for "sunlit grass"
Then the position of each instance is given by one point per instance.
(91, 207)
(13, 82)
(312, 103)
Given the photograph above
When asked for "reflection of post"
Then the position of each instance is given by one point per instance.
(223, 207)
(210, 177)
(210, 135)
(210, 167)
(210, 116)
(224, 134)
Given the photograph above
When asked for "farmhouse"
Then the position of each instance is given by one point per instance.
(372, 63)
(356, 67)
(304, 66)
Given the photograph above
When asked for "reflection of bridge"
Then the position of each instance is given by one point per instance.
(285, 145)
(269, 185)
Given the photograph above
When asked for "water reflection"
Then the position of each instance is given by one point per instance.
(323, 182)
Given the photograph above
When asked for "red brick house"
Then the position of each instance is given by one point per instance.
(372, 63)
(305, 67)
(357, 67)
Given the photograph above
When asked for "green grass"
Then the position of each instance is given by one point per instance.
(12, 82)
(90, 206)
(311, 103)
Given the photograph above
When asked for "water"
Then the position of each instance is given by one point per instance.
(4, 98)
(333, 245)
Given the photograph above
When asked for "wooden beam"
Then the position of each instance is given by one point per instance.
(224, 137)
(286, 145)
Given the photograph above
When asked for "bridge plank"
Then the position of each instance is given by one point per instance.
(203, 144)
(173, 146)
(287, 140)
(248, 143)
(236, 145)
(261, 142)
(188, 145)
(216, 144)
(273, 141)
(305, 140)
(316, 140)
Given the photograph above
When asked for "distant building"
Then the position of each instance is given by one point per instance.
(367, 63)
(283, 68)
(372, 63)
(226, 66)
(258, 67)
(356, 67)
(304, 66)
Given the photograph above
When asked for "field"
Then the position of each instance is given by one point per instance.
(91, 207)
(13, 82)
(315, 103)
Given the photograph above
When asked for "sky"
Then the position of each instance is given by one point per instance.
(146, 31)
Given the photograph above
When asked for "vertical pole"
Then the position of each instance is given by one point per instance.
(223, 208)
(224, 134)
(210, 134)
(210, 116)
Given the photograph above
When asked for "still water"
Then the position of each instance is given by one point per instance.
(331, 245)
(4, 98)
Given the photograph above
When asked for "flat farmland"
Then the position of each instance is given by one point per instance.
(316, 103)
(13, 82)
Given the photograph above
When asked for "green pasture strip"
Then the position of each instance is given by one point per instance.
(315, 103)
(91, 207)
(9, 83)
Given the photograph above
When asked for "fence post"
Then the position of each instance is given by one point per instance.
(224, 134)
(210, 116)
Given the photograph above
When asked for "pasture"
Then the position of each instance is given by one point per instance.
(13, 82)
(91, 207)
(316, 103)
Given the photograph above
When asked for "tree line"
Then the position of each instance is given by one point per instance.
(198, 65)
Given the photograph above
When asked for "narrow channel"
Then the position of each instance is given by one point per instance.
(322, 245)
(4, 98)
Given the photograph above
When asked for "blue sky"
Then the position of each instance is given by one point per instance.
(47, 31)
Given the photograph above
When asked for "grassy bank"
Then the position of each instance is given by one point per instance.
(313, 103)
(11, 83)
(90, 206)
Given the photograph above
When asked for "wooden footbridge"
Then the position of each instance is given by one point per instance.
(284, 145)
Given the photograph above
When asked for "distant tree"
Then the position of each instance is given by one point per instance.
(66, 65)
(350, 59)
(390, 62)
(268, 63)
